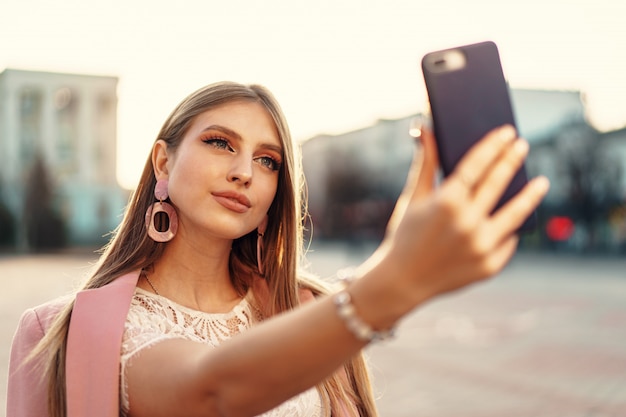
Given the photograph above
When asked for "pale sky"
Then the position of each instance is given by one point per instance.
(335, 65)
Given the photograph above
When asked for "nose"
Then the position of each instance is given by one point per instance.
(241, 170)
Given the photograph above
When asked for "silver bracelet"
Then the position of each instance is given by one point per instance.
(356, 326)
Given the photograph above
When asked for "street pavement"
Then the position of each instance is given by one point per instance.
(545, 338)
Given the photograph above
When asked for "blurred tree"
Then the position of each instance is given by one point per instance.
(45, 228)
(7, 226)
(359, 201)
(593, 178)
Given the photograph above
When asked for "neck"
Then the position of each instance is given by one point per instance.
(196, 276)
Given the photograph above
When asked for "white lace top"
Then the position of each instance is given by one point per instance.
(153, 318)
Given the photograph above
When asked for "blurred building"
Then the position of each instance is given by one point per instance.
(68, 122)
(354, 178)
(616, 142)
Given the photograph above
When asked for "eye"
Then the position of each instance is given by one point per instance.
(218, 142)
(269, 162)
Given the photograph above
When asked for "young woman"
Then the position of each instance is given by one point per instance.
(196, 307)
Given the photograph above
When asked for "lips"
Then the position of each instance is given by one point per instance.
(233, 201)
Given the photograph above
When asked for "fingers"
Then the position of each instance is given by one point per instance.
(485, 173)
(421, 177)
(415, 170)
(430, 164)
(512, 215)
(499, 256)
(498, 178)
(477, 185)
(480, 158)
(407, 191)
(455, 229)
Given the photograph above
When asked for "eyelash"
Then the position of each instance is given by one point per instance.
(215, 140)
(273, 164)
(219, 142)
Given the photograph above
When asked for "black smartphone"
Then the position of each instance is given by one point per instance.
(469, 96)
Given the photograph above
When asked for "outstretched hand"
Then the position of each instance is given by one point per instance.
(441, 239)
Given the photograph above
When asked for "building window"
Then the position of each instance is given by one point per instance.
(66, 106)
(104, 146)
(30, 119)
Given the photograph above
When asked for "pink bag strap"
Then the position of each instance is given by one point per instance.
(93, 348)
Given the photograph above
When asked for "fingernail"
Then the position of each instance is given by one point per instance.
(521, 146)
(542, 184)
(415, 132)
(507, 133)
(417, 124)
(415, 127)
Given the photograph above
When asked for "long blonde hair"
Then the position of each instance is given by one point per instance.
(131, 249)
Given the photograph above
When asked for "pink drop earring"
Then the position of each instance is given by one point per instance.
(161, 194)
(260, 232)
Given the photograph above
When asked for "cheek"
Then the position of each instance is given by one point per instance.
(267, 193)
(185, 181)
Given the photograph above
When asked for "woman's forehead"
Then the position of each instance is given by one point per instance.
(241, 117)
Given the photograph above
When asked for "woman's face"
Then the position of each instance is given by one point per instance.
(224, 174)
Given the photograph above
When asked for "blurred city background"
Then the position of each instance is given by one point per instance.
(80, 87)
(59, 188)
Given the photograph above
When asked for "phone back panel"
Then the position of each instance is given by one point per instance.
(468, 102)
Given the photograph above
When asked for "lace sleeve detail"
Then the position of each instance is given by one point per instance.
(148, 322)
(152, 319)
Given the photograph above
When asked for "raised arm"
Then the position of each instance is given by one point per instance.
(438, 240)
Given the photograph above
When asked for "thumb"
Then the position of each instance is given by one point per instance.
(421, 177)
(429, 165)
(407, 192)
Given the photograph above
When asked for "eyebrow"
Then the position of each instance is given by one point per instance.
(237, 136)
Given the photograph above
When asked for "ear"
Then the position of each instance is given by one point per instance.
(160, 158)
